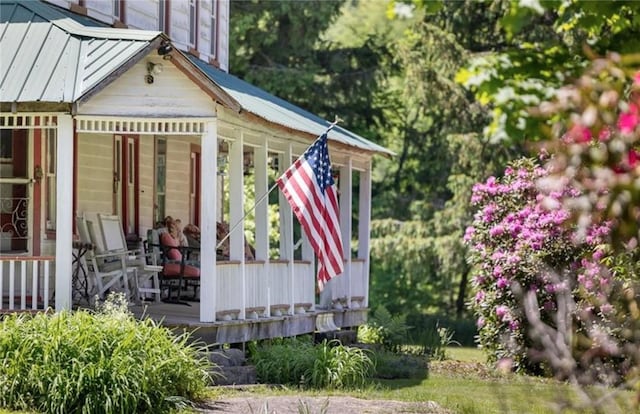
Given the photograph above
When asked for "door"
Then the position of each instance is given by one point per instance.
(16, 191)
(125, 183)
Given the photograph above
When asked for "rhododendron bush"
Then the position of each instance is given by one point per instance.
(525, 250)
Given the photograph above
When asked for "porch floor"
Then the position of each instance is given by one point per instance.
(182, 318)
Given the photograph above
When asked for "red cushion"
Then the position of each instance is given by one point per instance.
(173, 270)
(167, 240)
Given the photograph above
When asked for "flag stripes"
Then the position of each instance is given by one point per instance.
(309, 188)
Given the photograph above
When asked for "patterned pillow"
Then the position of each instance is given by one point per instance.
(167, 240)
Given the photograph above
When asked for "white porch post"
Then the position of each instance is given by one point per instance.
(262, 208)
(286, 226)
(208, 199)
(346, 198)
(236, 212)
(260, 156)
(364, 226)
(64, 211)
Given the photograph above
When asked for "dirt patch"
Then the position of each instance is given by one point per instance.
(292, 404)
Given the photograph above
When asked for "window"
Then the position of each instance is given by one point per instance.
(163, 16)
(50, 179)
(161, 178)
(193, 23)
(118, 9)
(6, 145)
(214, 30)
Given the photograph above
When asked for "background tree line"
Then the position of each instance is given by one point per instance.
(427, 80)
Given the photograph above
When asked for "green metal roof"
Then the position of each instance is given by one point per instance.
(47, 56)
(273, 109)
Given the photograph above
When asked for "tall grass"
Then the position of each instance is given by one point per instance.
(300, 362)
(102, 362)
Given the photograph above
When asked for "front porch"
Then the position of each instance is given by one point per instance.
(183, 318)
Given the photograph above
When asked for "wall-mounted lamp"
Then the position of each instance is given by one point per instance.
(152, 69)
(164, 49)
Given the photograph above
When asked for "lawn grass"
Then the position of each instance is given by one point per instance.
(463, 384)
(459, 353)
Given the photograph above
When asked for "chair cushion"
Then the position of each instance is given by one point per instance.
(167, 240)
(172, 270)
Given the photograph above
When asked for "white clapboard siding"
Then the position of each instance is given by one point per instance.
(257, 292)
(229, 293)
(142, 14)
(172, 94)
(178, 159)
(95, 172)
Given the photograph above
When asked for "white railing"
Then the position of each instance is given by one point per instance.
(270, 289)
(25, 282)
(359, 288)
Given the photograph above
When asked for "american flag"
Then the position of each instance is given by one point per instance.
(309, 187)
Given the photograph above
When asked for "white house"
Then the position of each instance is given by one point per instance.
(126, 108)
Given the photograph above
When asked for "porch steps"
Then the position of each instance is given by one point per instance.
(232, 368)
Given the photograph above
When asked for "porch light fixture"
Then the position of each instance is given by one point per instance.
(164, 49)
(152, 69)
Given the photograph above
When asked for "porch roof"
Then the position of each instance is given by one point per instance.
(278, 111)
(48, 56)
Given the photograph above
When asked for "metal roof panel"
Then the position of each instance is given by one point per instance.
(276, 110)
(45, 55)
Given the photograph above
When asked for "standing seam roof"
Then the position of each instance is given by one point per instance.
(276, 110)
(47, 56)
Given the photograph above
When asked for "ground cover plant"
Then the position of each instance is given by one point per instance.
(96, 362)
(299, 361)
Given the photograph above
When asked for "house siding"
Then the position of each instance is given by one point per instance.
(171, 94)
(143, 14)
(95, 173)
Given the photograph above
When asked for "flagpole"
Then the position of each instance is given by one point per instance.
(333, 124)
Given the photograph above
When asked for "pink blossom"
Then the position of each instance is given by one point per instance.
(636, 78)
(502, 283)
(628, 121)
(501, 312)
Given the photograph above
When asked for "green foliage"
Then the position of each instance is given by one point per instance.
(105, 362)
(547, 45)
(385, 329)
(300, 362)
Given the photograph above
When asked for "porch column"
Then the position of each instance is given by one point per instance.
(236, 212)
(260, 156)
(346, 198)
(286, 225)
(64, 211)
(364, 226)
(262, 208)
(208, 198)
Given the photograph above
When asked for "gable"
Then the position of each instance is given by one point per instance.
(172, 94)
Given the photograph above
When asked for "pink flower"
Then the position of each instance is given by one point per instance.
(501, 312)
(502, 283)
(636, 78)
(577, 133)
(628, 121)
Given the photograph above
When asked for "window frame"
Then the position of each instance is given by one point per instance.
(213, 46)
(193, 6)
(164, 19)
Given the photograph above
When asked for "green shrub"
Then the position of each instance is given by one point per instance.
(103, 362)
(390, 331)
(298, 361)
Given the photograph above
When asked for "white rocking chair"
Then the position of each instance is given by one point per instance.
(109, 269)
(140, 272)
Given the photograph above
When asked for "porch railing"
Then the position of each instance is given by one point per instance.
(275, 288)
(25, 282)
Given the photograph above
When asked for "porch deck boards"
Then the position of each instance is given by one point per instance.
(187, 318)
